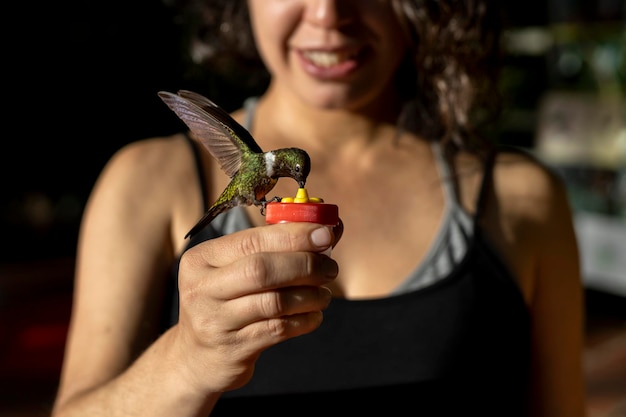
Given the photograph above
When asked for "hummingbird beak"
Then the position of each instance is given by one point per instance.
(301, 184)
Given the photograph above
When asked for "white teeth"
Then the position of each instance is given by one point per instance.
(326, 59)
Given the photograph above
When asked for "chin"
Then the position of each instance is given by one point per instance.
(333, 98)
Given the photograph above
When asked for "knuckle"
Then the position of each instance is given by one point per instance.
(277, 327)
(249, 244)
(187, 292)
(294, 241)
(189, 260)
(309, 262)
(290, 237)
(271, 304)
(255, 271)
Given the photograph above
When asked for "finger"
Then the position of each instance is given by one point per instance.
(287, 237)
(277, 304)
(266, 333)
(267, 271)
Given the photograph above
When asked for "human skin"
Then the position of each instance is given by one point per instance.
(247, 291)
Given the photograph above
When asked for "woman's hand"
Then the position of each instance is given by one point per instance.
(244, 292)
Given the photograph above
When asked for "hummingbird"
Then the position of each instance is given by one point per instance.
(253, 173)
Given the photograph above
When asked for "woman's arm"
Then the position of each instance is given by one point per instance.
(557, 308)
(533, 226)
(239, 295)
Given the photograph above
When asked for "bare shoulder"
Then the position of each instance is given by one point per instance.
(150, 156)
(531, 200)
(150, 166)
(154, 177)
(527, 188)
(529, 219)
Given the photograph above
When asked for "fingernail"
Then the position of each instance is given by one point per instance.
(330, 268)
(326, 294)
(321, 237)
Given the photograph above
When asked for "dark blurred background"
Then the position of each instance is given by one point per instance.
(81, 79)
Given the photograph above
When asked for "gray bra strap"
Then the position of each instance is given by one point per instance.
(250, 106)
(445, 174)
(451, 242)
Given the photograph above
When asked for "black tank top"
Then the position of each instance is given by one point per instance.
(459, 346)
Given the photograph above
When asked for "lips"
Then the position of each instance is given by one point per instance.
(329, 64)
(326, 59)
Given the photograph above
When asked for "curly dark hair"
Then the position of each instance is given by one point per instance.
(449, 79)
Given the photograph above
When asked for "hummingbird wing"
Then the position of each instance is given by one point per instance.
(220, 134)
(222, 117)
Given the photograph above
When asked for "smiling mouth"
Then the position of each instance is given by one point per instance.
(327, 59)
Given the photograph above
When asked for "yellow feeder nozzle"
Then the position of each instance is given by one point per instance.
(302, 196)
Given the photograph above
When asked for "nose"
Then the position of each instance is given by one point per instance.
(328, 13)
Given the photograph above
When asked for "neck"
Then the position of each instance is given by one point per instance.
(296, 121)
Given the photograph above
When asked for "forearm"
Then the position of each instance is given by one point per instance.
(154, 385)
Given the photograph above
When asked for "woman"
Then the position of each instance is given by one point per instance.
(455, 287)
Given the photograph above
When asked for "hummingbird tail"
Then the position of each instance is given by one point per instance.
(204, 221)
